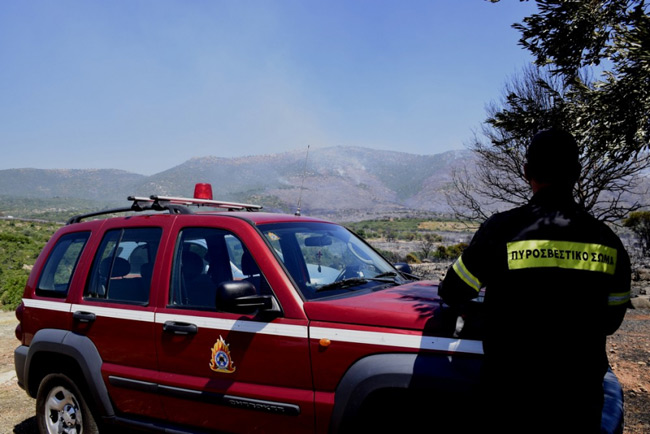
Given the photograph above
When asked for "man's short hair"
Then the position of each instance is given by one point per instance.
(553, 157)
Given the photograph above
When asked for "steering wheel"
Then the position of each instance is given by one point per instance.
(359, 254)
(348, 272)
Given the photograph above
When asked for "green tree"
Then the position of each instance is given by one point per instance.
(639, 223)
(426, 244)
(608, 186)
(614, 35)
(610, 115)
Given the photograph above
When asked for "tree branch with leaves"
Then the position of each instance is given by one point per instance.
(609, 116)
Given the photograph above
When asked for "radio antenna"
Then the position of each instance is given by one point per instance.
(302, 183)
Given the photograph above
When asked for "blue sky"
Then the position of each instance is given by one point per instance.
(146, 85)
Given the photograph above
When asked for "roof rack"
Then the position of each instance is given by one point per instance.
(175, 205)
(206, 202)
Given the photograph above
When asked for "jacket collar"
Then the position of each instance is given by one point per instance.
(553, 196)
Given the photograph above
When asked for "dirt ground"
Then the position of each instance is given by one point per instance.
(16, 408)
(629, 356)
(629, 353)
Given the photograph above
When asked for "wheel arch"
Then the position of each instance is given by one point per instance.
(385, 374)
(61, 351)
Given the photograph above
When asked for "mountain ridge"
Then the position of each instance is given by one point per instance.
(335, 180)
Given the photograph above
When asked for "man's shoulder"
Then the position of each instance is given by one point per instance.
(507, 217)
(592, 226)
(500, 226)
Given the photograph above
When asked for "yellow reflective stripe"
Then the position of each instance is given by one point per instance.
(561, 254)
(465, 275)
(617, 299)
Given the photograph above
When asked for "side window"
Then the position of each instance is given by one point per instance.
(60, 265)
(205, 257)
(123, 265)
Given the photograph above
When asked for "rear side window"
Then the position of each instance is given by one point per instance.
(123, 266)
(60, 265)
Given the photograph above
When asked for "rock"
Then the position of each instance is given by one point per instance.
(641, 302)
(643, 274)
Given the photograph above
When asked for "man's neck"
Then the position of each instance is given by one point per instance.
(538, 186)
(551, 189)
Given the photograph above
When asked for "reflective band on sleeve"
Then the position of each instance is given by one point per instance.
(465, 275)
(561, 254)
(617, 299)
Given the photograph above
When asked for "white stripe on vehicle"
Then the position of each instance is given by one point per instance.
(410, 341)
(45, 304)
(287, 330)
(398, 340)
(111, 312)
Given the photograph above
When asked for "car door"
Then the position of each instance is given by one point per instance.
(116, 314)
(233, 372)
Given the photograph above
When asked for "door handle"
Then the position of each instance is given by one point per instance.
(82, 316)
(180, 328)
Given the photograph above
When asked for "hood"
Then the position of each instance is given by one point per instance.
(414, 306)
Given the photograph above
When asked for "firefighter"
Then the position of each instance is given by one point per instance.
(557, 282)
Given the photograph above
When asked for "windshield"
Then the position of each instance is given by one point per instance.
(326, 259)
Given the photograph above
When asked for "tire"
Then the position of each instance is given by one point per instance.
(61, 408)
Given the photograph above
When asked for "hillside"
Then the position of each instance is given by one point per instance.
(90, 184)
(338, 181)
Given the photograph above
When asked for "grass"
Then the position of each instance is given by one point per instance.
(20, 244)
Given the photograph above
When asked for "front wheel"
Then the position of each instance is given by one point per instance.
(60, 408)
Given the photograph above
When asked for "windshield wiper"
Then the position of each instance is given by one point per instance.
(386, 274)
(356, 281)
(394, 277)
(343, 284)
(403, 274)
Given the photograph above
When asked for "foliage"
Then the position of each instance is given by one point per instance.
(51, 209)
(573, 37)
(450, 252)
(609, 116)
(427, 242)
(20, 244)
(397, 228)
(404, 229)
(534, 101)
(412, 258)
(639, 223)
(448, 225)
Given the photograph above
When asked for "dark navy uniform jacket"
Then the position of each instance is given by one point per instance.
(557, 282)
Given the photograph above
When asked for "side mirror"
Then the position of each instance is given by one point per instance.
(405, 270)
(403, 267)
(240, 296)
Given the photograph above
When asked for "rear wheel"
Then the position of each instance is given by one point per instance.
(61, 409)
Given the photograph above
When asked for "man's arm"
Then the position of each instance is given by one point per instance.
(464, 279)
(619, 296)
(459, 285)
